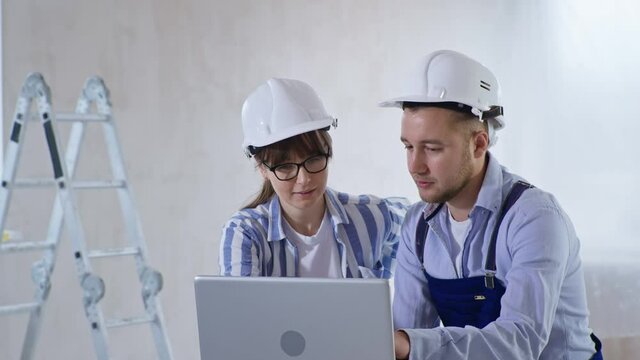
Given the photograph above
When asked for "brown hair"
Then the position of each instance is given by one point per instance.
(308, 144)
(461, 113)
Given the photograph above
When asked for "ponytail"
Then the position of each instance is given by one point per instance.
(263, 196)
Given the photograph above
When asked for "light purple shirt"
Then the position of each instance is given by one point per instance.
(544, 311)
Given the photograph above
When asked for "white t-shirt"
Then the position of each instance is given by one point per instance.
(318, 254)
(459, 231)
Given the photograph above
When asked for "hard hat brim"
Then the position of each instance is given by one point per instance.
(398, 101)
(290, 132)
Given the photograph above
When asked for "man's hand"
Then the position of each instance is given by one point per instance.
(401, 340)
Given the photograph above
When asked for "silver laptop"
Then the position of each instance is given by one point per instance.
(242, 318)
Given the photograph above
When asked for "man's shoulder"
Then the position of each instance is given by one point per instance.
(534, 201)
(534, 196)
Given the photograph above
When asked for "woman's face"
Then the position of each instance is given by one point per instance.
(303, 192)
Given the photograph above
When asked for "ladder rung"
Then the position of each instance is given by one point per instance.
(92, 184)
(81, 117)
(74, 117)
(30, 183)
(18, 308)
(15, 246)
(113, 323)
(113, 252)
(98, 184)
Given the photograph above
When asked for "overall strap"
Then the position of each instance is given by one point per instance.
(421, 233)
(490, 264)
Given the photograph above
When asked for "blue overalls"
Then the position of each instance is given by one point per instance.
(475, 300)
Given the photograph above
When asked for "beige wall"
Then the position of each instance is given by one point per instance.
(178, 73)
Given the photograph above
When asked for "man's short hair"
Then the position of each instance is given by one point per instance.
(463, 114)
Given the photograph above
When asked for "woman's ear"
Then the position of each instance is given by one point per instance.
(263, 171)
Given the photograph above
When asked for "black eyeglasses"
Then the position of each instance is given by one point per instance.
(288, 171)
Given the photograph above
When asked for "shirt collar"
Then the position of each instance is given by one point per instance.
(276, 229)
(335, 207)
(490, 195)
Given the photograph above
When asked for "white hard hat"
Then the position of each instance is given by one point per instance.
(280, 109)
(447, 76)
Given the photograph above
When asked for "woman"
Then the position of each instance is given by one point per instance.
(297, 226)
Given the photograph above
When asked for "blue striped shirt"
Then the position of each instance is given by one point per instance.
(366, 229)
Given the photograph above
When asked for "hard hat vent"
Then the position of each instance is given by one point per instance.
(485, 85)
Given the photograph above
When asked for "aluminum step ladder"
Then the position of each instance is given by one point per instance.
(65, 208)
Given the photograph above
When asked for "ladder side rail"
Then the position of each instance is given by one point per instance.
(130, 216)
(95, 91)
(158, 327)
(12, 159)
(41, 273)
(14, 148)
(151, 280)
(42, 270)
(33, 88)
(92, 285)
(37, 89)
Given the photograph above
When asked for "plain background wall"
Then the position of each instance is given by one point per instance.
(178, 72)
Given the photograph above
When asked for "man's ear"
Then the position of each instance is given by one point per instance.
(480, 141)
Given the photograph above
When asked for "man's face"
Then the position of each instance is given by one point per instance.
(439, 152)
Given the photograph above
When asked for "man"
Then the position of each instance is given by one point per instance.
(492, 257)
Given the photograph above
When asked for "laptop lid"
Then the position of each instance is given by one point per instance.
(263, 318)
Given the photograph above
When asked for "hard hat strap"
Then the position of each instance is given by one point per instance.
(449, 105)
(251, 150)
(493, 112)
